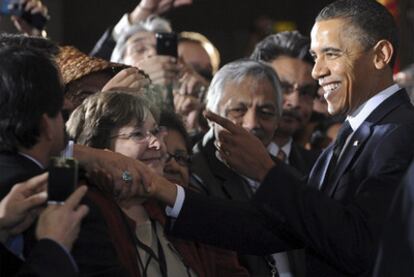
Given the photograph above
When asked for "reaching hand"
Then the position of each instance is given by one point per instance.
(20, 207)
(162, 70)
(106, 169)
(148, 7)
(127, 78)
(241, 150)
(61, 222)
(32, 7)
(190, 108)
(192, 83)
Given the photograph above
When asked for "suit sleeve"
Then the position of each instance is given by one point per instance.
(236, 225)
(47, 259)
(287, 213)
(346, 232)
(105, 45)
(396, 253)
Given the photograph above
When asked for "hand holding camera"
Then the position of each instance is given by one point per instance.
(29, 16)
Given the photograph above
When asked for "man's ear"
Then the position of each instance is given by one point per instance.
(383, 52)
(46, 127)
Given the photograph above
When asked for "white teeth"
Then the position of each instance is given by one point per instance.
(331, 87)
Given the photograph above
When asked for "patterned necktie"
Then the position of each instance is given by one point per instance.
(341, 138)
(281, 155)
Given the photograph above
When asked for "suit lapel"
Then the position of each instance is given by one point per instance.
(352, 148)
(318, 172)
(361, 135)
(296, 160)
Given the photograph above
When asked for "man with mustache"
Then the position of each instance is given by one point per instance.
(248, 93)
(288, 54)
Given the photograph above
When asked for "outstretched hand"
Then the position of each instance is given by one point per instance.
(148, 7)
(130, 78)
(32, 7)
(241, 150)
(61, 223)
(21, 206)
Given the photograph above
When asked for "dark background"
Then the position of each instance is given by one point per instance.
(227, 23)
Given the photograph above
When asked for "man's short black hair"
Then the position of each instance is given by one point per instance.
(368, 16)
(291, 44)
(30, 86)
(44, 45)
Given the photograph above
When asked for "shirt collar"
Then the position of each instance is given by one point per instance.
(273, 148)
(359, 115)
(32, 159)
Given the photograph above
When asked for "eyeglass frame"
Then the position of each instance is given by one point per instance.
(162, 131)
(175, 155)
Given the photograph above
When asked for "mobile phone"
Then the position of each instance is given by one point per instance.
(63, 177)
(166, 44)
(13, 7)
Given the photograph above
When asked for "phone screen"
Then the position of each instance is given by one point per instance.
(63, 177)
(166, 44)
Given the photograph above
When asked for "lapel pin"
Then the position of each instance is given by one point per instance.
(356, 143)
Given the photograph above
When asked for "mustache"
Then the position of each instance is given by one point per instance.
(292, 113)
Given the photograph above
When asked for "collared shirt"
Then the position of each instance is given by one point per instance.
(359, 115)
(273, 149)
(39, 164)
(356, 118)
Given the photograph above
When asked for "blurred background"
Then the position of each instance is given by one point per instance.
(233, 26)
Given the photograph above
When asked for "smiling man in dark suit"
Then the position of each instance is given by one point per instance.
(338, 213)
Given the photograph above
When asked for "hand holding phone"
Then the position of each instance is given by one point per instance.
(35, 15)
(63, 177)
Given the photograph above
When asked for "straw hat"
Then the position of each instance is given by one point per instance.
(75, 64)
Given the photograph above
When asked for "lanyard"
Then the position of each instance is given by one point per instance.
(160, 258)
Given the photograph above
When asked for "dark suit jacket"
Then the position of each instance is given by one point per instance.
(216, 179)
(104, 46)
(302, 159)
(93, 251)
(339, 227)
(47, 259)
(396, 253)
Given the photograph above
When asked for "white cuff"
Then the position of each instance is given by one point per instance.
(121, 27)
(68, 151)
(174, 212)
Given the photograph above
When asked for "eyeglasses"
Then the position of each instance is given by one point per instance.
(305, 91)
(180, 157)
(143, 136)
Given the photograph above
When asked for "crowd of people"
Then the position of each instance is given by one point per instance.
(294, 161)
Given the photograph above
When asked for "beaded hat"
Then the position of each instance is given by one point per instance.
(75, 64)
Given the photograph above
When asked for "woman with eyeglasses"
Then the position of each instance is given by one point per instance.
(127, 123)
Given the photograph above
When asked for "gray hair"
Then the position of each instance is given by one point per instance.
(153, 23)
(236, 72)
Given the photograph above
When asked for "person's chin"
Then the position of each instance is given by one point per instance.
(155, 164)
(173, 178)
